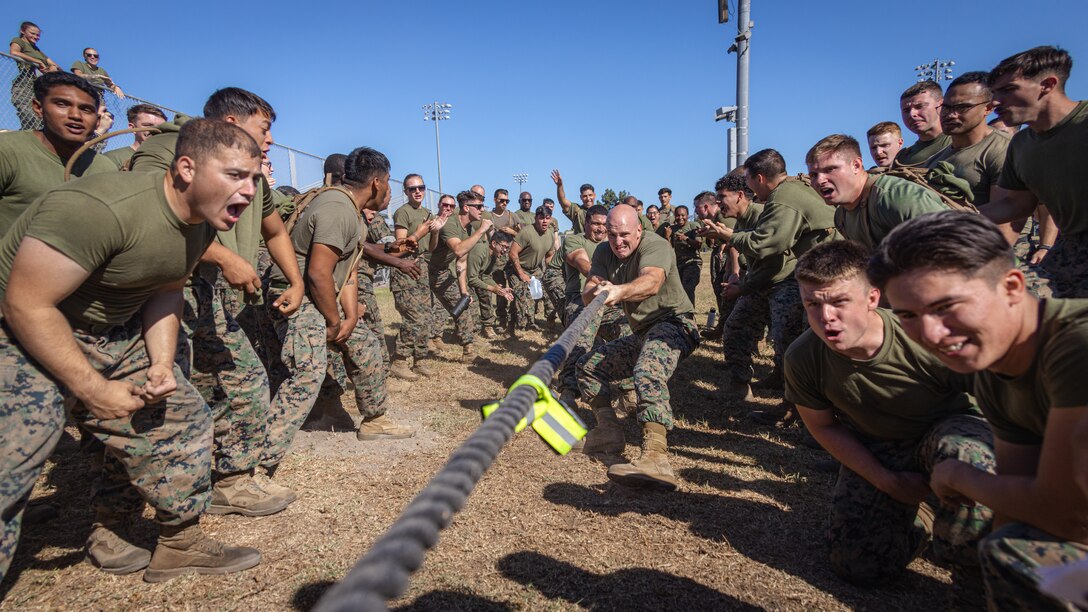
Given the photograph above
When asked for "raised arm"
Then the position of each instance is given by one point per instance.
(560, 193)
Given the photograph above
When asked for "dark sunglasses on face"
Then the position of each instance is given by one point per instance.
(416, 188)
(525, 200)
(477, 206)
(506, 201)
(91, 55)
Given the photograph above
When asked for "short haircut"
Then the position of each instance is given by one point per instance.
(202, 138)
(288, 190)
(683, 208)
(237, 102)
(500, 191)
(768, 163)
(49, 80)
(145, 109)
(501, 238)
(704, 196)
(586, 187)
(334, 164)
(548, 201)
(885, 127)
(596, 210)
(834, 144)
(930, 87)
(28, 24)
(364, 165)
(542, 211)
(446, 196)
(826, 263)
(976, 77)
(1039, 61)
(652, 207)
(87, 49)
(950, 241)
(466, 197)
(664, 190)
(734, 181)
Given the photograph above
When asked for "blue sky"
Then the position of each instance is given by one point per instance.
(619, 94)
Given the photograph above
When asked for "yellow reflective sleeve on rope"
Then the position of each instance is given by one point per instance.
(557, 425)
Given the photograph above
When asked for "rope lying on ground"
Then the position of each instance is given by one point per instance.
(383, 572)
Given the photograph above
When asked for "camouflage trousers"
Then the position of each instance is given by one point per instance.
(555, 290)
(1066, 266)
(22, 97)
(873, 537)
(609, 324)
(503, 307)
(227, 372)
(439, 316)
(165, 449)
(650, 358)
(778, 307)
(484, 306)
(523, 309)
(1011, 559)
(718, 275)
(258, 326)
(305, 356)
(690, 273)
(412, 299)
(448, 291)
(337, 370)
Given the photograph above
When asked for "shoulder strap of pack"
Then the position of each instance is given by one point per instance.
(917, 175)
(303, 200)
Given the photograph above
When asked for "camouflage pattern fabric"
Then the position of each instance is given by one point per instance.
(361, 357)
(650, 359)
(446, 289)
(372, 317)
(165, 448)
(484, 306)
(1011, 559)
(690, 273)
(439, 316)
(873, 537)
(609, 324)
(779, 307)
(503, 307)
(555, 287)
(1067, 266)
(258, 326)
(412, 299)
(522, 311)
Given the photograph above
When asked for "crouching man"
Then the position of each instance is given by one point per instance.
(888, 411)
(638, 270)
(92, 276)
(952, 280)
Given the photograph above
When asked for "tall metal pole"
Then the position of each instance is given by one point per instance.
(438, 148)
(437, 112)
(732, 148)
(744, 33)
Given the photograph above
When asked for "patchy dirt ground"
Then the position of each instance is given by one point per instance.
(540, 532)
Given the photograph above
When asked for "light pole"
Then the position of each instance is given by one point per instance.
(521, 178)
(437, 112)
(935, 71)
(740, 47)
(729, 113)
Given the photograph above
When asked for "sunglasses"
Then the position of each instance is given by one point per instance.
(447, 205)
(506, 201)
(477, 206)
(90, 55)
(525, 200)
(416, 188)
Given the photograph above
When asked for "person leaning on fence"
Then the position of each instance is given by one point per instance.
(97, 75)
(952, 281)
(32, 162)
(139, 116)
(34, 60)
(638, 270)
(888, 411)
(87, 323)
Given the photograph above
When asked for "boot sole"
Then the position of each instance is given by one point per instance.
(641, 481)
(153, 575)
(219, 510)
(371, 437)
(123, 570)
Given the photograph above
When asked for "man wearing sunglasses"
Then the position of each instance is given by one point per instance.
(448, 272)
(97, 75)
(411, 295)
(524, 215)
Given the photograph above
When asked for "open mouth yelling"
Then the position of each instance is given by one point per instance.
(234, 212)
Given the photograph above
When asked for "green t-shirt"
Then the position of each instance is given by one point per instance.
(120, 156)
(157, 152)
(556, 262)
(28, 169)
(409, 218)
(795, 218)
(918, 154)
(685, 253)
(899, 394)
(377, 232)
(534, 248)
(652, 252)
(506, 219)
(762, 272)
(1017, 407)
(480, 264)
(979, 164)
(524, 218)
(577, 216)
(1052, 165)
(95, 74)
(575, 280)
(647, 225)
(331, 219)
(28, 48)
(120, 228)
(892, 201)
(443, 257)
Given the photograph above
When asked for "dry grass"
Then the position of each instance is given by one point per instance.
(541, 532)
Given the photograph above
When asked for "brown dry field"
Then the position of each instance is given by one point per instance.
(540, 532)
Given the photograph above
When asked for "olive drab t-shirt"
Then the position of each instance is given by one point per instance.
(899, 394)
(891, 201)
(685, 253)
(120, 228)
(375, 232)
(28, 169)
(409, 218)
(443, 257)
(979, 164)
(919, 153)
(577, 216)
(534, 248)
(157, 152)
(795, 218)
(765, 271)
(556, 262)
(120, 156)
(653, 252)
(28, 48)
(506, 219)
(574, 279)
(330, 219)
(524, 218)
(94, 74)
(480, 265)
(1017, 407)
(1052, 165)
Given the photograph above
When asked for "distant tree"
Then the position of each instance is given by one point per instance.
(609, 198)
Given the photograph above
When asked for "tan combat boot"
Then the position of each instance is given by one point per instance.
(400, 369)
(629, 402)
(109, 550)
(607, 437)
(423, 368)
(651, 470)
(468, 353)
(185, 549)
(240, 494)
(274, 488)
(383, 428)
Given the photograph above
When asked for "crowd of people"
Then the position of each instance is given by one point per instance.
(186, 316)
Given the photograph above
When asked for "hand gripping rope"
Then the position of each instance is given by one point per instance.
(383, 572)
